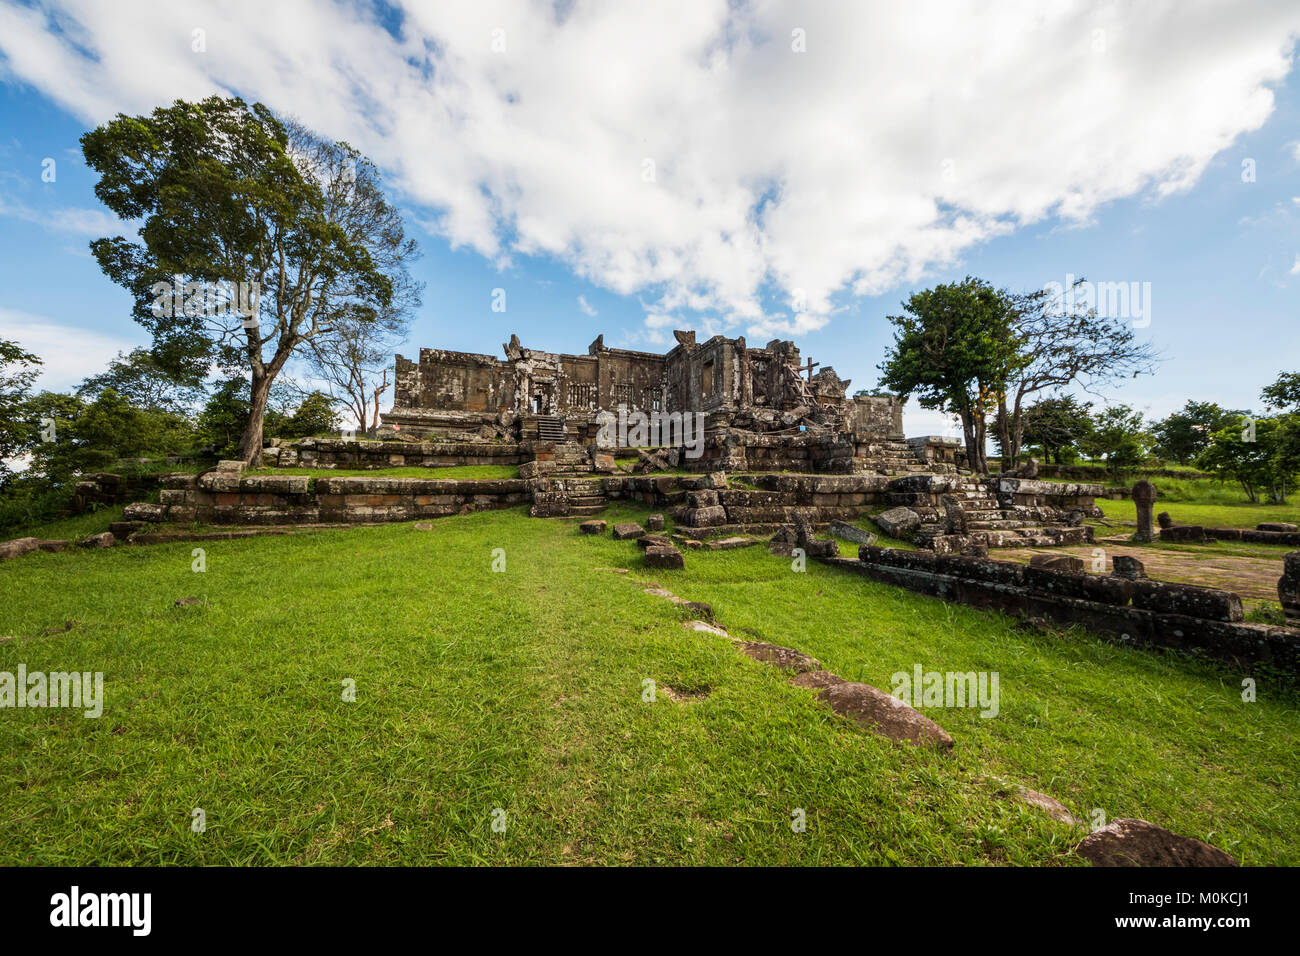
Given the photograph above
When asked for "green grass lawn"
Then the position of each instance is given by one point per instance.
(521, 691)
(1209, 510)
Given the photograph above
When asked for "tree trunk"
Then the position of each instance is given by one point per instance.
(968, 436)
(973, 428)
(250, 445)
(1010, 450)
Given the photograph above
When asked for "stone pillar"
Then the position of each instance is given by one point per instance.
(1288, 589)
(1144, 496)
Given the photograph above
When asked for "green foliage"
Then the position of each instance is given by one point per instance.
(1119, 437)
(90, 436)
(1284, 394)
(1259, 454)
(1057, 424)
(954, 349)
(232, 196)
(1183, 435)
(221, 422)
(314, 416)
(18, 370)
(148, 383)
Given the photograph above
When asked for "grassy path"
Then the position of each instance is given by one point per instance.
(521, 691)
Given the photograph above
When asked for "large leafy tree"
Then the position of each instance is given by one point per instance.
(1284, 394)
(236, 204)
(1252, 452)
(955, 349)
(1184, 434)
(1284, 397)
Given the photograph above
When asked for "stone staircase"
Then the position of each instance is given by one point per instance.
(550, 428)
(970, 509)
(897, 458)
(586, 496)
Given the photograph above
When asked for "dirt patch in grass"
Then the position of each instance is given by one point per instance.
(1253, 577)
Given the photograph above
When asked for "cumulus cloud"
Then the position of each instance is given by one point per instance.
(1295, 269)
(585, 307)
(68, 355)
(722, 161)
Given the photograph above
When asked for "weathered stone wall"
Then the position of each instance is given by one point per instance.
(936, 449)
(228, 497)
(927, 491)
(443, 380)
(1290, 539)
(1032, 493)
(876, 416)
(342, 453)
(105, 488)
(1201, 621)
(740, 451)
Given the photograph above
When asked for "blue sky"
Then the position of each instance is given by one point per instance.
(1222, 255)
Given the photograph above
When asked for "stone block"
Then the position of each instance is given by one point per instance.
(898, 522)
(1066, 563)
(664, 557)
(849, 532)
(1127, 566)
(1103, 589)
(17, 547)
(704, 517)
(1189, 600)
(627, 532)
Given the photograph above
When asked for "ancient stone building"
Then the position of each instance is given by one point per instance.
(531, 394)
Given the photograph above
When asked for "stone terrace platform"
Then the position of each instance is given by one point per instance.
(946, 513)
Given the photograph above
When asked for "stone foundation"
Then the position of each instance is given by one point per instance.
(1201, 621)
(228, 497)
(345, 453)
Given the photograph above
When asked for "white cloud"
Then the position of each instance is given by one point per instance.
(585, 307)
(905, 134)
(69, 355)
(93, 223)
(1295, 269)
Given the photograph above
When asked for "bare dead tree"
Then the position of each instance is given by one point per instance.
(1064, 347)
(354, 362)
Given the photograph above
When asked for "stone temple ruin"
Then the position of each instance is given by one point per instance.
(777, 443)
(759, 408)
